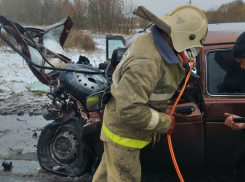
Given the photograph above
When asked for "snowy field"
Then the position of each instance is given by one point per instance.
(16, 77)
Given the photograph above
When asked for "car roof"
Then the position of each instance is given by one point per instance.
(224, 33)
(221, 33)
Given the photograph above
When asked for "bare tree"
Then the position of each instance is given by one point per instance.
(11, 9)
(129, 22)
(80, 13)
(32, 11)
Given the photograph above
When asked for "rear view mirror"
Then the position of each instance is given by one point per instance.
(94, 102)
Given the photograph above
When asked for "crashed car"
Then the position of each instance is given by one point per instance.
(70, 144)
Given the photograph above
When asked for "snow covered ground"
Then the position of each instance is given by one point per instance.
(16, 77)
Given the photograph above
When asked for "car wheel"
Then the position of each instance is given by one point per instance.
(60, 150)
(81, 85)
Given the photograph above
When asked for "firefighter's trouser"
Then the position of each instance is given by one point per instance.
(118, 164)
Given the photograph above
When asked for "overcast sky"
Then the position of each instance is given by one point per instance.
(161, 7)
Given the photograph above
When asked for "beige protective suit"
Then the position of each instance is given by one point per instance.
(143, 83)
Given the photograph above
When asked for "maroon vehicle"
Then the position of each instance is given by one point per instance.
(70, 144)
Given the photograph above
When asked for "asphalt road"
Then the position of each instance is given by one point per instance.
(29, 171)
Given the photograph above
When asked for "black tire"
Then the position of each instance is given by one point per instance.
(81, 85)
(59, 144)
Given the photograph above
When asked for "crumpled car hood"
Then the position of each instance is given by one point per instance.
(50, 40)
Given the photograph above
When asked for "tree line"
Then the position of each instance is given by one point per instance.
(100, 15)
(97, 15)
(229, 12)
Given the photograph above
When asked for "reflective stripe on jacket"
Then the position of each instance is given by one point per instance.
(128, 142)
(143, 83)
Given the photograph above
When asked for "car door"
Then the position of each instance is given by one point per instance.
(187, 140)
(112, 43)
(223, 83)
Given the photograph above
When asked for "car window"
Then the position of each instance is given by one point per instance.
(112, 45)
(224, 74)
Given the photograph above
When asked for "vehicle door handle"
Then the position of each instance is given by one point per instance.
(185, 110)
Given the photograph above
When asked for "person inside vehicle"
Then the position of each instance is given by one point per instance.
(233, 81)
(239, 53)
(143, 82)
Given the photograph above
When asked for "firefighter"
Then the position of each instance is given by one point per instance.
(238, 52)
(143, 82)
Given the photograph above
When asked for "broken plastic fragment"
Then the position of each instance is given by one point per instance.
(7, 165)
(57, 168)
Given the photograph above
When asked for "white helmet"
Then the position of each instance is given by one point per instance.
(188, 27)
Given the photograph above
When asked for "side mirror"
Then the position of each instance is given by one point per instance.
(94, 102)
(117, 56)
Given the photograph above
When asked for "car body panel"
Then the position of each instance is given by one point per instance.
(220, 36)
(191, 129)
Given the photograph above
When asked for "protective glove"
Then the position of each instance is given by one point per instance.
(234, 126)
(171, 129)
